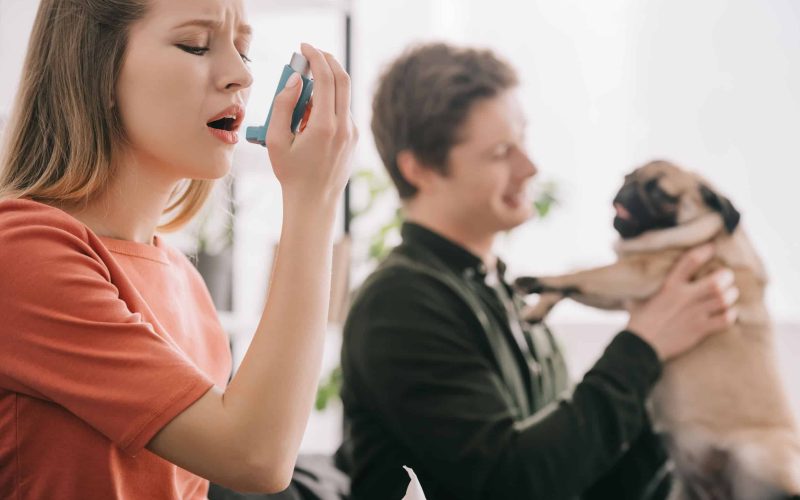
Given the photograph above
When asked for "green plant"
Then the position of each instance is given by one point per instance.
(545, 197)
(329, 389)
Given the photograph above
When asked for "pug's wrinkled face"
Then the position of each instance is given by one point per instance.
(661, 195)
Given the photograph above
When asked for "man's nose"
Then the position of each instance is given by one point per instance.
(525, 166)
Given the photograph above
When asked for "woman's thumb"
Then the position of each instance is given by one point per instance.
(280, 123)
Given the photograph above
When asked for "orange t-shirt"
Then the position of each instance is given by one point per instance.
(102, 343)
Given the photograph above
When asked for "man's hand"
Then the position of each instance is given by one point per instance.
(684, 312)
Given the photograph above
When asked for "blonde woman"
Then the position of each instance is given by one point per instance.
(113, 365)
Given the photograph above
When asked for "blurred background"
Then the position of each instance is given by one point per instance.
(606, 87)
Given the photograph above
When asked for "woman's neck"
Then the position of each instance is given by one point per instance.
(130, 207)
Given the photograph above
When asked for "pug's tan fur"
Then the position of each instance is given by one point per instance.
(721, 405)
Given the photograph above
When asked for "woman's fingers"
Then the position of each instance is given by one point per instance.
(342, 81)
(322, 114)
(318, 164)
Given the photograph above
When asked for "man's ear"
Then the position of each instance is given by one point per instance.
(413, 170)
(730, 216)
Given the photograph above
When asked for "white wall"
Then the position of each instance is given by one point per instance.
(606, 86)
(16, 19)
(610, 85)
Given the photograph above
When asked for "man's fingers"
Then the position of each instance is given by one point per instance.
(690, 263)
(724, 320)
(714, 285)
(719, 302)
(324, 88)
(280, 123)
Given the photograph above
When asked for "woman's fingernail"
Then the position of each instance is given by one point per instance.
(292, 81)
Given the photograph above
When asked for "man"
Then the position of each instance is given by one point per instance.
(440, 373)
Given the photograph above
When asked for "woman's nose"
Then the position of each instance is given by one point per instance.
(235, 74)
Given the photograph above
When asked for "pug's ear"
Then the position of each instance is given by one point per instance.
(730, 216)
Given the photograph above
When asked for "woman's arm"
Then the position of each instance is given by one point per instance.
(247, 437)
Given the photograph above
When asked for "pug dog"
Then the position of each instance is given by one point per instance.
(721, 406)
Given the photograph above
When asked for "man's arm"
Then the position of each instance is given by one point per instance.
(425, 373)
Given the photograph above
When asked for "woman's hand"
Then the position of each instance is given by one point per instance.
(247, 437)
(313, 166)
(684, 312)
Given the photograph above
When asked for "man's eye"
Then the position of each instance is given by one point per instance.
(198, 51)
(501, 152)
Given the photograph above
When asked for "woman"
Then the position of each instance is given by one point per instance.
(114, 365)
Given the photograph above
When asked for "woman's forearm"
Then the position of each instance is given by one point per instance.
(271, 395)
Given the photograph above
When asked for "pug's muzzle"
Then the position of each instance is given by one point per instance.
(642, 207)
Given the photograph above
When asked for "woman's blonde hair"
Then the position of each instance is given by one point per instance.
(64, 127)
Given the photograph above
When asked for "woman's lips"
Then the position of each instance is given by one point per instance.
(226, 136)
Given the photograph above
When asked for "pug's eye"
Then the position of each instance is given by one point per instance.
(657, 194)
(651, 186)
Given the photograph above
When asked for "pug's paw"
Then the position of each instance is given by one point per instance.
(527, 285)
(537, 312)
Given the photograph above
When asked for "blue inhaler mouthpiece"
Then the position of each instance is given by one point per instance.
(298, 64)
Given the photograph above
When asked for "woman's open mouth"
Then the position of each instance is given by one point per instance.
(225, 125)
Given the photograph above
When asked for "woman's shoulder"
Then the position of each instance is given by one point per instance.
(29, 227)
(24, 213)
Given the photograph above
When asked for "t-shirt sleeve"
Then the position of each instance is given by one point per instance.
(67, 337)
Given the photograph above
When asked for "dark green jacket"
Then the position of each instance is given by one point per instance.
(435, 379)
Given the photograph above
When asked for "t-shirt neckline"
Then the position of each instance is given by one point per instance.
(154, 252)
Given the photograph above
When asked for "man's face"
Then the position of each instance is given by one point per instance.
(485, 189)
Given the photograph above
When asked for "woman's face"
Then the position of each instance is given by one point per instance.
(185, 67)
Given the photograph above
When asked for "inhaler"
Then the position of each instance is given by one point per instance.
(298, 64)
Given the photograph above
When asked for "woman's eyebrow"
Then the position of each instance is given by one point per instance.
(213, 24)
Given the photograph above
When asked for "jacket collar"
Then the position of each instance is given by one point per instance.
(456, 257)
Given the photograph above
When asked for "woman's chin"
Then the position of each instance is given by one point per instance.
(212, 170)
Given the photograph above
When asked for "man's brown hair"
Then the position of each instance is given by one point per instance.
(423, 99)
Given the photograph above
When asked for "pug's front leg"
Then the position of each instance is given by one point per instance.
(607, 287)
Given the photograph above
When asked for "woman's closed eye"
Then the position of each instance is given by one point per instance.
(199, 51)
